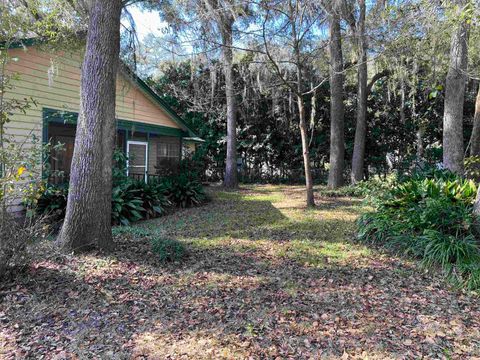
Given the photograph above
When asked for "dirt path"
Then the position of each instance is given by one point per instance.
(264, 278)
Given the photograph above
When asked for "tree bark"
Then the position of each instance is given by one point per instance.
(303, 123)
(337, 137)
(475, 137)
(419, 142)
(88, 215)
(301, 112)
(306, 153)
(476, 207)
(231, 176)
(454, 98)
(362, 74)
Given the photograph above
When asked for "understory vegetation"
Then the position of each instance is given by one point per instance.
(165, 249)
(132, 200)
(264, 278)
(428, 216)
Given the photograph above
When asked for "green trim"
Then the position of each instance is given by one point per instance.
(149, 128)
(18, 44)
(142, 84)
(193, 140)
(70, 117)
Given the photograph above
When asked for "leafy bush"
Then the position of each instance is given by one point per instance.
(154, 200)
(53, 201)
(126, 204)
(167, 249)
(132, 200)
(365, 188)
(428, 216)
(184, 191)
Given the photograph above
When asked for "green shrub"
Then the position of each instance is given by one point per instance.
(132, 200)
(184, 191)
(363, 188)
(167, 250)
(53, 201)
(126, 204)
(428, 216)
(154, 201)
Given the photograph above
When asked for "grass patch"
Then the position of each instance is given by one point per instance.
(320, 254)
(168, 250)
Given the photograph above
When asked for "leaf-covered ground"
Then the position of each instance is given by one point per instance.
(265, 278)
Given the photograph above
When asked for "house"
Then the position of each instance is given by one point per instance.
(148, 130)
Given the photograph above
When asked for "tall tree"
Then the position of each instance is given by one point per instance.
(223, 12)
(362, 74)
(231, 176)
(453, 150)
(298, 19)
(337, 106)
(475, 137)
(88, 215)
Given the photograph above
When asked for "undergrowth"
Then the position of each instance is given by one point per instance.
(429, 217)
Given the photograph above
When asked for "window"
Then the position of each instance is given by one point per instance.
(168, 150)
(168, 157)
(137, 152)
(61, 157)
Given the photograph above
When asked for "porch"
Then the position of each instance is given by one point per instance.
(152, 151)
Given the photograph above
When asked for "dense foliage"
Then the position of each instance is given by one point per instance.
(429, 217)
(408, 52)
(132, 200)
(183, 191)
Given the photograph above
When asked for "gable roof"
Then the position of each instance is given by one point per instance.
(131, 75)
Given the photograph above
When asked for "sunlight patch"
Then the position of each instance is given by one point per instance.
(194, 345)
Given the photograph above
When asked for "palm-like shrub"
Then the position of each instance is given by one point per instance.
(428, 217)
(132, 200)
(184, 191)
(126, 204)
(154, 201)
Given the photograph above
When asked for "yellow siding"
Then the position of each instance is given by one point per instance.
(53, 81)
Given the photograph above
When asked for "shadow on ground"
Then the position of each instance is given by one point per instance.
(265, 277)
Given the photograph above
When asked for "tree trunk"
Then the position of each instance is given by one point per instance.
(88, 215)
(454, 99)
(419, 142)
(337, 141)
(476, 207)
(306, 153)
(361, 127)
(231, 176)
(475, 138)
(301, 113)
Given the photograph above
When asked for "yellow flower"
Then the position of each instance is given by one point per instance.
(21, 170)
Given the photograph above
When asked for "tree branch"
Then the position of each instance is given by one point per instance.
(375, 78)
